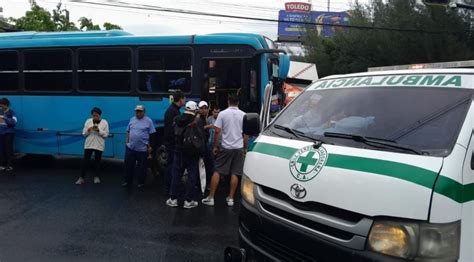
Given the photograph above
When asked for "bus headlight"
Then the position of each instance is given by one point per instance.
(248, 190)
(415, 240)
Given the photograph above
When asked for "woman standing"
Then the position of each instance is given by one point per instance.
(96, 130)
(7, 134)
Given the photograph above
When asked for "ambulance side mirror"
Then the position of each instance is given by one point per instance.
(472, 161)
(251, 124)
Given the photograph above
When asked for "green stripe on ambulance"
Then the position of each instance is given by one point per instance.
(420, 176)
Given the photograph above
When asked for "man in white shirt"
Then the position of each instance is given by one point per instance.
(96, 130)
(230, 156)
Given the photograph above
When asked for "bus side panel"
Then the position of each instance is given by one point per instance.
(53, 124)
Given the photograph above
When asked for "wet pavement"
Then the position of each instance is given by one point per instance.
(44, 216)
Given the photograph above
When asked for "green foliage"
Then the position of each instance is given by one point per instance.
(40, 19)
(354, 50)
(87, 24)
(109, 26)
(61, 20)
(36, 19)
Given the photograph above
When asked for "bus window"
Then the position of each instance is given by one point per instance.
(164, 70)
(8, 71)
(105, 70)
(48, 70)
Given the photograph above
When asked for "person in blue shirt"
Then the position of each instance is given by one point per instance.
(8, 121)
(139, 145)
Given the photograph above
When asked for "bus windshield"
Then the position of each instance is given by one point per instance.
(427, 120)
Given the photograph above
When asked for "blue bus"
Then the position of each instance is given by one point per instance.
(54, 79)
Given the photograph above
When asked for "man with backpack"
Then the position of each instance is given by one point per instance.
(189, 147)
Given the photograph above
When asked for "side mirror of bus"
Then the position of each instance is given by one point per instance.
(251, 124)
(283, 66)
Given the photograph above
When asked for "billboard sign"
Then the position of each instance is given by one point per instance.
(291, 24)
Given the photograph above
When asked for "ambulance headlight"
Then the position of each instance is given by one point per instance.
(248, 190)
(421, 241)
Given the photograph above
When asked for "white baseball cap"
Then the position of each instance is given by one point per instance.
(203, 103)
(139, 108)
(191, 106)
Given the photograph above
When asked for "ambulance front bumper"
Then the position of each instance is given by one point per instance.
(267, 239)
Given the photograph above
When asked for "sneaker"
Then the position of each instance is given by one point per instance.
(208, 201)
(140, 185)
(9, 168)
(2, 168)
(97, 180)
(230, 201)
(80, 181)
(124, 184)
(191, 204)
(172, 202)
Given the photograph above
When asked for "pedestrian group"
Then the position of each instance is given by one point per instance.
(196, 145)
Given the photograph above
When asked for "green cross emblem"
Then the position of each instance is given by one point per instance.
(306, 161)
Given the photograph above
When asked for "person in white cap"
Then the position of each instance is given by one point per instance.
(139, 144)
(189, 134)
(208, 156)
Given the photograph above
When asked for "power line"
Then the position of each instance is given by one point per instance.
(203, 20)
(188, 12)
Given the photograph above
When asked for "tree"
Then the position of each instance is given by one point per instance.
(109, 26)
(438, 35)
(36, 19)
(61, 19)
(40, 19)
(87, 24)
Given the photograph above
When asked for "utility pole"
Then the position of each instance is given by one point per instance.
(329, 5)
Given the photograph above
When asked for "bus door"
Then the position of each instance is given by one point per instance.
(224, 76)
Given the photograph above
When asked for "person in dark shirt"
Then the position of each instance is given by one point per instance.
(8, 121)
(169, 140)
(186, 158)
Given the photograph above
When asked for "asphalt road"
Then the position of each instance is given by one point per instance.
(44, 216)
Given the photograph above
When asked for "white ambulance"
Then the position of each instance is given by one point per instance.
(365, 167)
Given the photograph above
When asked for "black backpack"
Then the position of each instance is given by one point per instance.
(193, 138)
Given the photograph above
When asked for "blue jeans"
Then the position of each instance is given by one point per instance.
(135, 161)
(185, 162)
(170, 151)
(6, 149)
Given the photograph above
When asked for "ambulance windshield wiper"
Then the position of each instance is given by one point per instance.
(297, 133)
(375, 141)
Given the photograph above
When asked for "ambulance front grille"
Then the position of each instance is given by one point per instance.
(333, 224)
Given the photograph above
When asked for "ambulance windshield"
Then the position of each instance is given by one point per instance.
(426, 119)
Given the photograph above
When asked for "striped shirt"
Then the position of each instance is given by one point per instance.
(8, 122)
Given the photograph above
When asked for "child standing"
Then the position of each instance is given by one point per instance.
(8, 121)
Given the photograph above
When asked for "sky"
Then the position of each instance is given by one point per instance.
(147, 22)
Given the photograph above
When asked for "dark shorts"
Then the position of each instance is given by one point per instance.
(230, 162)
